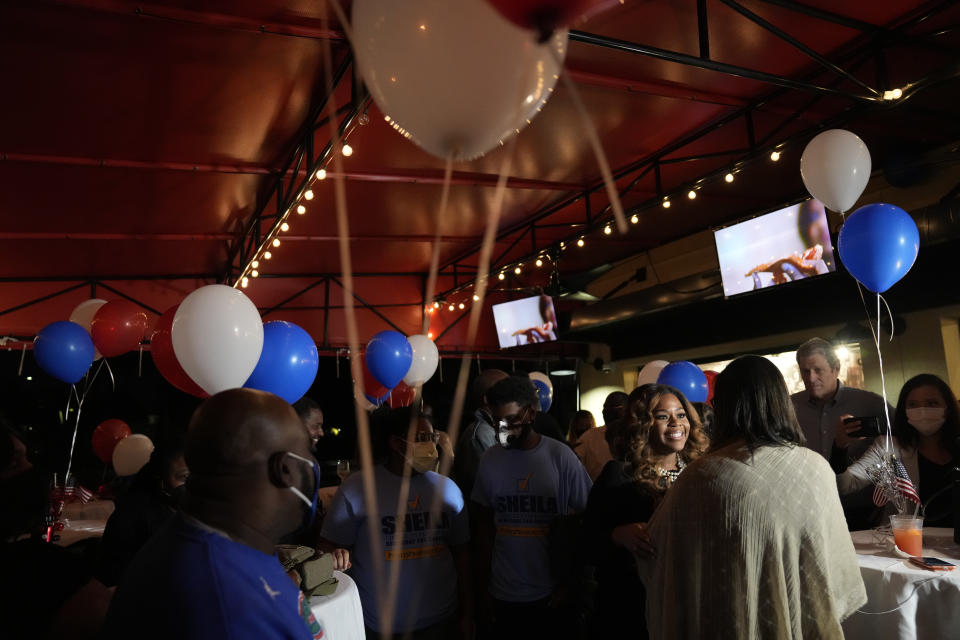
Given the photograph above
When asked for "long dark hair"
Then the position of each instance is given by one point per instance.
(907, 436)
(750, 402)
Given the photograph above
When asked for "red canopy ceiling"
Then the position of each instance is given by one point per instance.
(139, 142)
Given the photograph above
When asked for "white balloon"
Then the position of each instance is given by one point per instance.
(650, 372)
(426, 357)
(835, 167)
(544, 378)
(83, 314)
(217, 337)
(455, 77)
(131, 454)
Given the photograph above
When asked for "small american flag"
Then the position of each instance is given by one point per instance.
(902, 483)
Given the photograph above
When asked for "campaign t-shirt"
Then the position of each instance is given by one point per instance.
(190, 582)
(527, 489)
(427, 592)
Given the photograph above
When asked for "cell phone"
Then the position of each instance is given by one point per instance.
(934, 564)
(869, 426)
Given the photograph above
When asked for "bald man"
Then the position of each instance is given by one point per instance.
(212, 572)
(479, 435)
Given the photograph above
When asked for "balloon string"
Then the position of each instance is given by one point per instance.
(435, 255)
(889, 315)
(140, 363)
(883, 384)
(353, 339)
(76, 427)
(595, 144)
(23, 356)
(113, 382)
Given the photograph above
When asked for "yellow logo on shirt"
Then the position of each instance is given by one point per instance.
(413, 505)
(523, 484)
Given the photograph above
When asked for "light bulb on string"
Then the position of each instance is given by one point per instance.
(301, 209)
(461, 306)
(692, 194)
(517, 270)
(267, 255)
(284, 226)
(539, 262)
(502, 276)
(476, 298)
(607, 230)
(347, 150)
(322, 174)
(276, 242)
(728, 177)
(308, 194)
(450, 308)
(634, 219)
(666, 203)
(244, 282)
(775, 156)
(255, 264)
(580, 242)
(254, 274)
(436, 304)
(430, 334)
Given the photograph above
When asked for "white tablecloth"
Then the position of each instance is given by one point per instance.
(926, 603)
(81, 521)
(340, 613)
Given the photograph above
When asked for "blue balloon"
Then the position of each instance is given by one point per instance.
(687, 378)
(288, 362)
(544, 394)
(64, 350)
(388, 357)
(878, 245)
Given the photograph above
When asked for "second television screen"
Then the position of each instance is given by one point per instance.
(789, 244)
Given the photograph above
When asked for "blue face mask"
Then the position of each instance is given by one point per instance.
(311, 504)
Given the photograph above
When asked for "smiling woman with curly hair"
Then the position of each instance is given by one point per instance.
(659, 435)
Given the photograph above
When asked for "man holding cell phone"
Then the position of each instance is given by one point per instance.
(832, 415)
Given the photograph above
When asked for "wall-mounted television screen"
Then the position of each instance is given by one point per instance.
(782, 246)
(525, 321)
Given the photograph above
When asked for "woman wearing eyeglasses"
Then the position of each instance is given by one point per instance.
(429, 546)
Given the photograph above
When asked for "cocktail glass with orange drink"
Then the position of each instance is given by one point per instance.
(908, 533)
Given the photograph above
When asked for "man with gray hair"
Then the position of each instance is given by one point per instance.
(826, 402)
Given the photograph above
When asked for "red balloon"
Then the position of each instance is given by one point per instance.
(711, 379)
(402, 396)
(545, 16)
(118, 327)
(106, 436)
(161, 347)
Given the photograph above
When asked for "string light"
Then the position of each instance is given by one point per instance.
(308, 194)
(634, 218)
(254, 274)
(450, 308)
(563, 246)
(580, 242)
(666, 203)
(301, 209)
(276, 242)
(284, 226)
(607, 230)
(430, 334)
(267, 255)
(244, 282)
(539, 262)
(461, 305)
(502, 275)
(347, 150)
(517, 270)
(692, 194)
(322, 174)
(255, 264)
(476, 298)
(775, 156)
(436, 304)
(728, 177)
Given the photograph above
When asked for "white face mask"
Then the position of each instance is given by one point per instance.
(926, 420)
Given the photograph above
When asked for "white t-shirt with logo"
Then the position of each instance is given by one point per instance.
(427, 592)
(527, 489)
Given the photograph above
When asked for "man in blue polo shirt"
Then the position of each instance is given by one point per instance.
(211, 572)
(522, 486)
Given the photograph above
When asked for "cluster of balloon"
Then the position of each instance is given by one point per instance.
(546, 16)
(687, 378)
(651, 372)
(878, 245)
(217, 337)
(106, 436)
(131, 454)
(394, 365)
(288, 362)
(835, 167)
(544, 389)
(455, 77)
